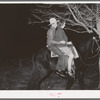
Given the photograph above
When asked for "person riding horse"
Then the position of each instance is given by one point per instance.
(43, 64)
(56, 40)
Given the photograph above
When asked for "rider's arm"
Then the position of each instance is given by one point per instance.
(69, 43)
(51, 36)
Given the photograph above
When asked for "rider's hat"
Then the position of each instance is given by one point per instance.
(52, 21)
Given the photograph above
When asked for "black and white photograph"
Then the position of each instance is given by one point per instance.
(50, 46)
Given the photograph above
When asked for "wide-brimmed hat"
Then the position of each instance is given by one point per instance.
(52, 21)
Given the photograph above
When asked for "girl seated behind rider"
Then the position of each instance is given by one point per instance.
(61, 36)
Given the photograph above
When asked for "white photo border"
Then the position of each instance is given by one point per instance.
(50, 94)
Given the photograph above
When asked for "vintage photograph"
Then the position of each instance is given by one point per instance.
(49, 46)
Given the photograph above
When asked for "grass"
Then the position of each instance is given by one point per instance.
(15, 74)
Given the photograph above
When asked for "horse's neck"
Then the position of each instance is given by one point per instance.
(85, 47)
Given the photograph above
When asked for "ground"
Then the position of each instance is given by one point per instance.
(15, 74)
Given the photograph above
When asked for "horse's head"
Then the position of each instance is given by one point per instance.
(87, 47)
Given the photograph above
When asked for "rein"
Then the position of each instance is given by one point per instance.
(98, 48)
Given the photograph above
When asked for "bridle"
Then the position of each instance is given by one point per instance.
(97, 50)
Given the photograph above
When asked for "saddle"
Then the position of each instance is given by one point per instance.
(63, 49)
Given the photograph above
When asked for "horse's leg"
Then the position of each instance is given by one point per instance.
(70, 82)
(99, 73)
(80, 77)
(79, 72)
(34, 83)
(37, 77)
(46, 76)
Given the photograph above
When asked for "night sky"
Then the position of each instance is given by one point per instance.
(17, 37)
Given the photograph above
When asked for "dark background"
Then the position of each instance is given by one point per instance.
(17, 37)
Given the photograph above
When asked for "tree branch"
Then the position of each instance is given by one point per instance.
(77, 19)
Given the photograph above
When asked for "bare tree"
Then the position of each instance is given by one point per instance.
(85, 16)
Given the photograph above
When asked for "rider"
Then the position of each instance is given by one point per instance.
(55, 39)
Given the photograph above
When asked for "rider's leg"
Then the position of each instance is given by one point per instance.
(70, 61)
(60, 63)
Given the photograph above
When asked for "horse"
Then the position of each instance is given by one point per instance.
(44, 65)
